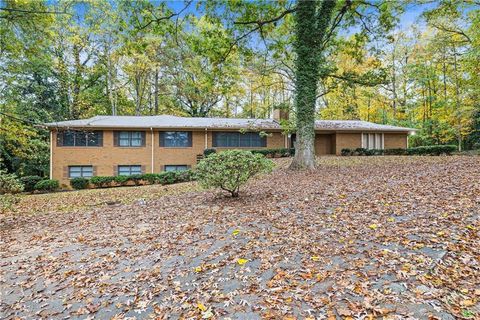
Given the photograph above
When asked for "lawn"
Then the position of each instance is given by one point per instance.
(359, 238)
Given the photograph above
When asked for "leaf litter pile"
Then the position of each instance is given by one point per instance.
(359, 238)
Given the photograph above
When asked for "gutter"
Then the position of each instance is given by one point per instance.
(206, 138)
(152, 153)
(51, 155)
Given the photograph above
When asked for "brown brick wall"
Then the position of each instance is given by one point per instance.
(395, 140)
(106, 158)
(347, 140)
(323, 144)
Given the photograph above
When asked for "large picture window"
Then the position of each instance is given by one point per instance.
(372, 140)
(72, 138)
(237, 139)
(176, 139)
(80, 171)
(129, 170)
(129, 138)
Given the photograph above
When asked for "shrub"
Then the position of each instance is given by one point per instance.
(275, 153)
(185, 176)
(150, 178)
(120, 180)
(47, 185)
(9, 183)
(360, 152)
(102, 181)
(396, 152)
(29, 182)
(79, 183)
(263, 152)
(231, 169)
(346, 152)
(432, 150)
(168, 177)
(136, 178)
(208, 152)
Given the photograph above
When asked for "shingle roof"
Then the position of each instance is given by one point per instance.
(356, 125)
(167, 121)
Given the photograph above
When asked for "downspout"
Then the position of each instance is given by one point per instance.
(51, 155)
(152, 153)
(206, 138)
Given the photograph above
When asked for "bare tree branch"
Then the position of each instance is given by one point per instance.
(260, 23)
(32, 11)
(446, 29)
(337, 21)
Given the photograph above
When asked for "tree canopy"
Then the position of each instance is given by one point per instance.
(70, 59)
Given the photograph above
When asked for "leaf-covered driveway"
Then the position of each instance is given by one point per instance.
(393, 237)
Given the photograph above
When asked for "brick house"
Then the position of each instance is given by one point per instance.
(124, 145)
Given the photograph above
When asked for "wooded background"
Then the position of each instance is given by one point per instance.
(411, 63)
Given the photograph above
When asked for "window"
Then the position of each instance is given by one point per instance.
(129, 138)
(80, 171)
(372, 140)
(176, 167)
(129, 170)
(237, 139)
(72, 138)
(175, 139)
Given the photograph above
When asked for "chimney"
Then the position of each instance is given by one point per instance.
(280, 114)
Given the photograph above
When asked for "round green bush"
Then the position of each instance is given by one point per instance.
(47, 185)
(79, 183)
(229, 170)
(29, 182)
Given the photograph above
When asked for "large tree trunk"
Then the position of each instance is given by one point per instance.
(311, 27)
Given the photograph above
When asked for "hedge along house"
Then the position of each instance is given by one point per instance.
(125, 145)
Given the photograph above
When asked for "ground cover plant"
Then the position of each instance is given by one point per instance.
(360, 237)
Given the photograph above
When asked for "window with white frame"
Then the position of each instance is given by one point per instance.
(80, 171)
(372, 140)
(129, 170)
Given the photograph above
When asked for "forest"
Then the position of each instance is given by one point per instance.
(409, 63)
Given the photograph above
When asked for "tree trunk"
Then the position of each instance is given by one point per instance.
(458, 111)
(311, 26)
(75, 108)
(156, 91)
(394, 85)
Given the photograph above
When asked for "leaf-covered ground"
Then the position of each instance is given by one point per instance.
(360, 238)
(84, 199)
